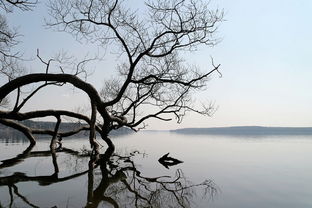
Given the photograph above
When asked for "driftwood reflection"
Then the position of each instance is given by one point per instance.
(111, 180)
(123, 181)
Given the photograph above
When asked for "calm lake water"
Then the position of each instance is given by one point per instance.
(238, 171)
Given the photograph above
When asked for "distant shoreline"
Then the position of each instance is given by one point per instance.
(233, 130)
(246, 130)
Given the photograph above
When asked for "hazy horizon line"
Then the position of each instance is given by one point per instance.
(234, 126)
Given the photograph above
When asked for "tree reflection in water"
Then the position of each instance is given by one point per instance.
(119, 183)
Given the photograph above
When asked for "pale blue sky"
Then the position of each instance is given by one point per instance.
(265, 56)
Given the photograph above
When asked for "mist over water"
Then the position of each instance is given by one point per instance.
(247, 171)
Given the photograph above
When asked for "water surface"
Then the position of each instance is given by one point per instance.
(246, 171)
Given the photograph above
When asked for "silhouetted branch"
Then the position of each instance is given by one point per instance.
(24, 5)
(149, 47)
(22, 128)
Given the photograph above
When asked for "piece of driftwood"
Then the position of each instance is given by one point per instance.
(167, 161)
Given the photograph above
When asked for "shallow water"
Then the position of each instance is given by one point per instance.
(245, 171)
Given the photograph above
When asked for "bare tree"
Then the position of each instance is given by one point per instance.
(153, 80)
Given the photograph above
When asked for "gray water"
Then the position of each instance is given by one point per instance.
(245, 171)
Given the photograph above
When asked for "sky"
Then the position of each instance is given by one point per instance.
(265, 56)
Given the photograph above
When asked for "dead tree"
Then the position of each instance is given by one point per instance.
(151, 75)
